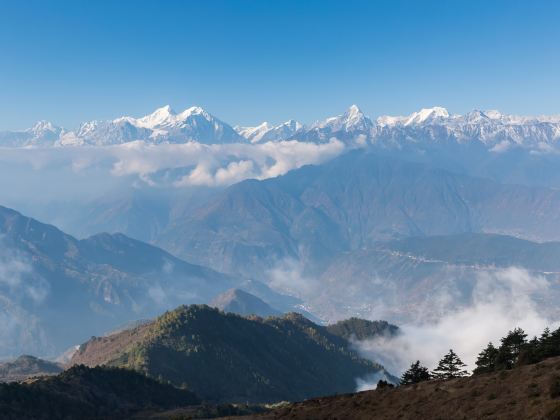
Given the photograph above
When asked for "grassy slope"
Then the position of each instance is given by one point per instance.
(528, 392)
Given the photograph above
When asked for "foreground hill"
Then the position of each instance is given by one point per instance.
(81, 392)
(225, 357)
(528, 392)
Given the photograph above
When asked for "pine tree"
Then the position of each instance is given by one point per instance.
(416, 373)
(545, 347)
(451, 366)
(530, 353)
(510, 348)
(486, 361)
(383, 384)
(549, 343)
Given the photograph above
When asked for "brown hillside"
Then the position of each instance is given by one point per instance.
(98, 350)
(528, 392)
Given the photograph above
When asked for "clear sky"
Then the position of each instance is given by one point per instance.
(248, 61)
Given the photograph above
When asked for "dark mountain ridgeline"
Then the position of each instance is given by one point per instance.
(362, 329)
(82, 392)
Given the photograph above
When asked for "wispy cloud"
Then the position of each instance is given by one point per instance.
(501, 301)
(89, 171)
(17, 277)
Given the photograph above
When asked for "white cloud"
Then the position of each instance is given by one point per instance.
(288, 276)
(208, 165)
(370, 381)
(17, 275)
(501, 301)
(501, 147)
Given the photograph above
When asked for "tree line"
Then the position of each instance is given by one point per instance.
(514, 350)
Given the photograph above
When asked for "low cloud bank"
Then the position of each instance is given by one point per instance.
(501, 301)
(200, 164)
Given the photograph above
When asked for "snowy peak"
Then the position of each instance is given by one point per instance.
(352, 119)
(267, 132)
(194, 110)
(44, 127)
(353, 112)
(254, 134)
(427, 115)
(163, 125)
(435, 126)
(160, 116)
(477, 117)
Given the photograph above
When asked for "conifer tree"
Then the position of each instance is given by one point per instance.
(451, 366)
(416, 373)
(549, 343)
(486, 361)
(530, 353)
(545, 347)
(510, 348)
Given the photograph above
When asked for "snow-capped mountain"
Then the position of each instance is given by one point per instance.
(42, 133)
(436, 126)
(351, 127)
(492, 129)
(162, 126)
(427, 115)
(268, 132)
(429, 127)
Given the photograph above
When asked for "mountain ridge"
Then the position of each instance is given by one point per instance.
(103, 281)
(238, 359)
(491, 129)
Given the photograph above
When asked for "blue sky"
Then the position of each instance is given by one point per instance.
(248, 61)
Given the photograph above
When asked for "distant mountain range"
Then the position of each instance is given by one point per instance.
(426, 128)
(229, 358)
(314, 213)
(315, 234)
(55, 290)
(421, 278)
(25, 367)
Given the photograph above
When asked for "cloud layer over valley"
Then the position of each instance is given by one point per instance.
(501, 301)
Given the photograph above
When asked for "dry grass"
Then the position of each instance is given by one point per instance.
(529, 392)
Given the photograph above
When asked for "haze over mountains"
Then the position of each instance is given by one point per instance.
(56, 290)
(350, 216)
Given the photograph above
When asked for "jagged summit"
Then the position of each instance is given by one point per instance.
(158, 117)
(353, 127)
(427, 115)
(353, 110)
(267, 132)
(164, 125)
